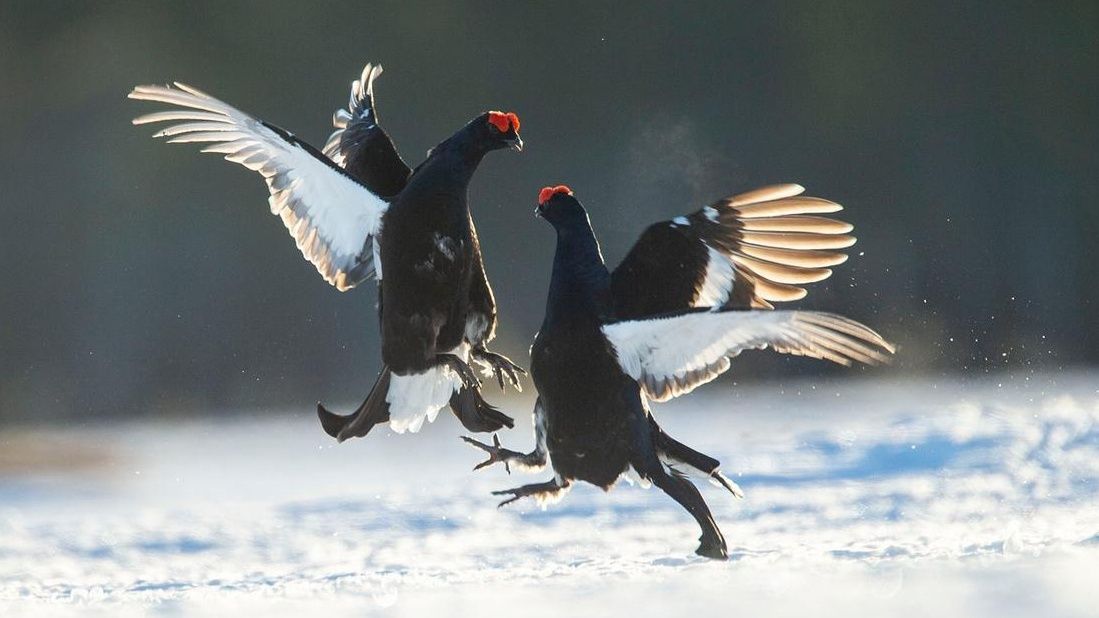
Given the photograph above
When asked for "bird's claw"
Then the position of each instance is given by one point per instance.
(495, 453)
(539, 491)
(465, 372)
(506, 371)
(514, 493)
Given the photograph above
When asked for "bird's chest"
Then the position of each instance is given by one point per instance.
(580, 385)
(571, 363)
(424, 242)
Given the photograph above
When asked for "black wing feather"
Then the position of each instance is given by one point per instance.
(661, 273)
(360, 144)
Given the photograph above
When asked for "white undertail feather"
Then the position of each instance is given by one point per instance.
(672, 356)
(416, 398)
(332, 218)
(720, 480)
(674, 466)
(716, 478)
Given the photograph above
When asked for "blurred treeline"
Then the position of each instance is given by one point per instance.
(145, 279)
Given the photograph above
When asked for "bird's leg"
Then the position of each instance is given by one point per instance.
(501, 366)
(465, 372)
(528, 462)
(705, 465)
(648, 465)
(711, 543)
(549, 491)
(495, 453)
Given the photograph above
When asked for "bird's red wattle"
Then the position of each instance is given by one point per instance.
(548, 192)
(499, 120)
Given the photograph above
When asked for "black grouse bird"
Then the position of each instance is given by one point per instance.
(356, 210)
(690, 295)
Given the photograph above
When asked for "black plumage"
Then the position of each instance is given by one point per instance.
(356, 210)
(683, 301)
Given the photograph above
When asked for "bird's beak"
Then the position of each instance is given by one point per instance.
(538, 211)
(517, 143)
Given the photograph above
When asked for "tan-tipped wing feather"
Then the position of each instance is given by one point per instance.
(777, 241)
(745, 251)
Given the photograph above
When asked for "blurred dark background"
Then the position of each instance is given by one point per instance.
(145, 279)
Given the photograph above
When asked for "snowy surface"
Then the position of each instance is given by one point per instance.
(865, 498)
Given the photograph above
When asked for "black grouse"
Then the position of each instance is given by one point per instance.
(692, 293)
(356, 210)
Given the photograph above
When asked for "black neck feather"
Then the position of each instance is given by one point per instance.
(580, 281)
(461, 153)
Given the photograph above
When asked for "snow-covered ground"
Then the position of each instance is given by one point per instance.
(863, 498)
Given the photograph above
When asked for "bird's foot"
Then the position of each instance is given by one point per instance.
(506, 371)
(465, 372)
(712, 547)
(496, 453)
(542, 492)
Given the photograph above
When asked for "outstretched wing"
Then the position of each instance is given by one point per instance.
(742, 252)
(332, 217)
(361, 146)
(673, 355)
